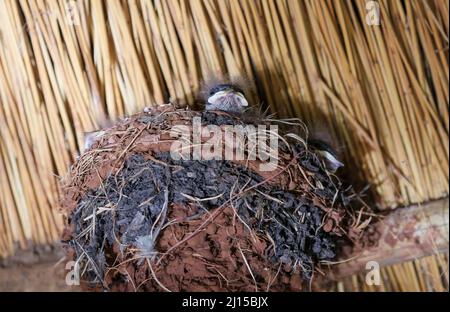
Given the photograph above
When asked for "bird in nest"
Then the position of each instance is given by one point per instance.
(226, 97)
(231, 98)
(326, 154)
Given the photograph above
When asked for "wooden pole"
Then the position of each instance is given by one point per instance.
(405, 234)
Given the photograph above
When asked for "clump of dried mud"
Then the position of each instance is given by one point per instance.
(139, 220)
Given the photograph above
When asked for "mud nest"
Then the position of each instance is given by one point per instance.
(139, 219)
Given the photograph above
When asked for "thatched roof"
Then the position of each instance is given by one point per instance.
(379, 91)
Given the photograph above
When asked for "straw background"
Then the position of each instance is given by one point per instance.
(380, 91)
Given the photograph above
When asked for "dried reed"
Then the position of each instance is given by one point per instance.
(67, 67)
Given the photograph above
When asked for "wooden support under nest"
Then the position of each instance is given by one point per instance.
(405, 234)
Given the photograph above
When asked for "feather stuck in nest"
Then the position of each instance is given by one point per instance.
(139, 219)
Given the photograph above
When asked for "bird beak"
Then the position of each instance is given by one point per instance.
(332, 163)
(222, 95)
(242, 99)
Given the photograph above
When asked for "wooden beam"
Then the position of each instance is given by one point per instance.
(405, 234)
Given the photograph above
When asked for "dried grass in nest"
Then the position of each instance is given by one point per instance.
(138, 220)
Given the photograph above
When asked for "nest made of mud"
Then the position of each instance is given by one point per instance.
(138, 219)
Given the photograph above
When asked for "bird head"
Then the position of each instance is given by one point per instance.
(226, 97)
(326, 154)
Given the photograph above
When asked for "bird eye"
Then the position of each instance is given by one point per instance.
(215, 89)
(237, 89)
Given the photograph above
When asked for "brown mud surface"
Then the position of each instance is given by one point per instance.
(223, 256)
(139, 221)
